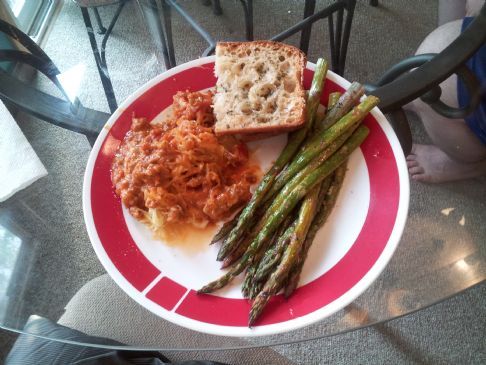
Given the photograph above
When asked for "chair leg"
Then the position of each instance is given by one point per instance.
(109, 30)
(339, 36)
(374, 2)
(91, 138)
(309, 8)
(248, 11)
(335, 33)
(346, 34)
(102, 70)
(332, 42)
(101, 28)
(167, 17)
(155, 28)
(217, 10)
(401, 126)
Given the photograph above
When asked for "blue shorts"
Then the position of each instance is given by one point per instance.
(477, 64)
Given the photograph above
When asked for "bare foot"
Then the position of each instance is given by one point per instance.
(427, 163)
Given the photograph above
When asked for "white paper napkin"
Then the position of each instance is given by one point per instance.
(19, 164)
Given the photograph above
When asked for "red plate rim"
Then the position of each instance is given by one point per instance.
(122, 258)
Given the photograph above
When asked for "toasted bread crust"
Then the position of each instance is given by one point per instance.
(283, 66)
(271, 130)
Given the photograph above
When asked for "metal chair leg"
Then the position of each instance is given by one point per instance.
(309, 8)
(217, 10)
(346, 34)
(339, 36)
(109, 30)
(332, 44)
(91, 139)
(193, 23)
(101, 28)
(339, 33)
(167, 23)
(248, 11)
(401, 126)
(102, 70)
(154, 25)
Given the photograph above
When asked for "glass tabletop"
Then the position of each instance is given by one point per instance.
(48, 267)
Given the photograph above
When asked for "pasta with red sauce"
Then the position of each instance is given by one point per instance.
(179, 172)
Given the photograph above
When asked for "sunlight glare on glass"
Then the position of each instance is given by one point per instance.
(71, 80)
(462, 266)
(16, 6)
(9, 251)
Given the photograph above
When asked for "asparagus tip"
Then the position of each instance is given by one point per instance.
(252, 318)
(255, 312)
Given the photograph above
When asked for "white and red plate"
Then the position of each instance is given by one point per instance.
(348, 254)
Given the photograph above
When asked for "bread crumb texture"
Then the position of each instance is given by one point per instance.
(259, 87)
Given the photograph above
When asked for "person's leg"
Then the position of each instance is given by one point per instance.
(473, 7)
(457, 152)
(450, 10)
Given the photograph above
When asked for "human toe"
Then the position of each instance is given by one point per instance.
(420, 177)
(411, 157)
(416, 170)
(412, 163)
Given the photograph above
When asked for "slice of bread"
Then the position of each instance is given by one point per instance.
(259, 88)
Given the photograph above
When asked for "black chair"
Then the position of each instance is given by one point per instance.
(66, 113)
